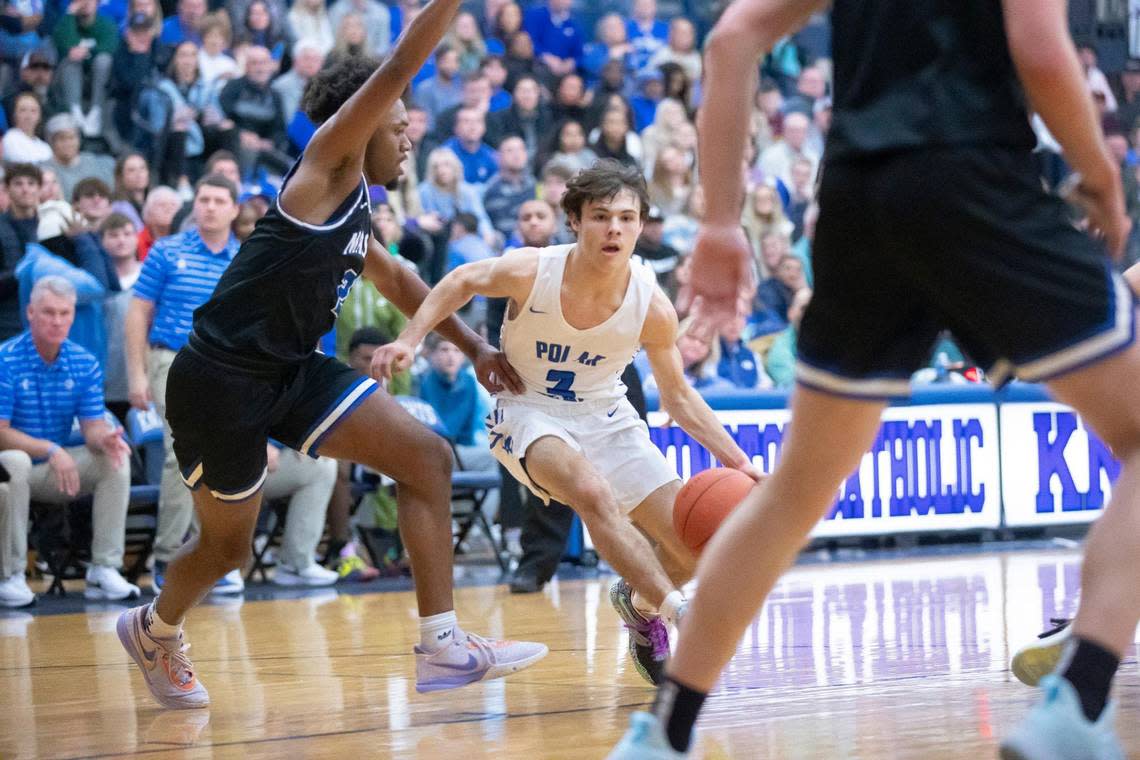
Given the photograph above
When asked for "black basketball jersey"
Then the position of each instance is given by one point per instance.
(284, 288)
(922, 73)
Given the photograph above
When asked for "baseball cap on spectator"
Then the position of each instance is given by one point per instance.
(38, 58)
(61, 122)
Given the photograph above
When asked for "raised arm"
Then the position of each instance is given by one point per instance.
(501, 277)
(679, 399)
(1047, 65)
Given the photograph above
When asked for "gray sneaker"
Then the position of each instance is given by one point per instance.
(168, 671)
(648, 637)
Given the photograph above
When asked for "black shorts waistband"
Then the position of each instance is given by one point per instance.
(264, 369)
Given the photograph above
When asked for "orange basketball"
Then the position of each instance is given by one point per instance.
(705, 501)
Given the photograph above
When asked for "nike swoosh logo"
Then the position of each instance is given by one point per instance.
(471, 664)
(536, 311)
(611, 414)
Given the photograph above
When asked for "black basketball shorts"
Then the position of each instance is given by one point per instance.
(963, 239)
(222, 417)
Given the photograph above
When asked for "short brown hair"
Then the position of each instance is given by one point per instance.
(31, 171)
(89, 186)
(217, 180)
(602, 182)
(115, 221)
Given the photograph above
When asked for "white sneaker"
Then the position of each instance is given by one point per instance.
(14, 592)
(313, 575)
(93, 125)
(470, 658)
(106, 583)
(231, 583)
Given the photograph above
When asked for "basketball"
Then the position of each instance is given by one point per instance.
(705, 501)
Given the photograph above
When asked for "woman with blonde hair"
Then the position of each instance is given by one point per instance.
(671, 183)
(764, 213)
(670, 115)
(352, 36)
(443, 192)
(309, 20)
(466, 39)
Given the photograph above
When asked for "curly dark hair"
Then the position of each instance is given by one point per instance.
(334, 84)
(601, 182)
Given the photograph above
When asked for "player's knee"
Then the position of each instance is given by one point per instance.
(594, 500)
(228, 553)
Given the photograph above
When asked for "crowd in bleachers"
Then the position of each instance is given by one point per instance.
(143, 140)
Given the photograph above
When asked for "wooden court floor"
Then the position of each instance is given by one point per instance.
(871, 659)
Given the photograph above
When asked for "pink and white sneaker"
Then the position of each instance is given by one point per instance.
(470, 658)
(168, 672)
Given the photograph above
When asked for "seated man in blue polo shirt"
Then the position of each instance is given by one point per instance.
(178, 276)
(558, 40)
(479, 161)
(46, 383)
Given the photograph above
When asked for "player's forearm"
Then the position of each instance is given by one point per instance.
(435, 310)
(1054, 82)
(694, 415)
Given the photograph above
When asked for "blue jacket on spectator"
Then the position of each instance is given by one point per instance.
(457, 404)
(173, 32)
(738, 364)
(88, 330)
(447, 205)
(479, 166)
(560, 38)
(645, 42)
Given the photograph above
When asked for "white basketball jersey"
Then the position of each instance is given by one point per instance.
(560, 362)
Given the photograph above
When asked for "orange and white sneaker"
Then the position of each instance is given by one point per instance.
(168, 671)
(470, 658)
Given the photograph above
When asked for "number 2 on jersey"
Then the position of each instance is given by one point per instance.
(562, 381)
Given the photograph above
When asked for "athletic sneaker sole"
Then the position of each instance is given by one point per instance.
(126, 638)
(1036, 660)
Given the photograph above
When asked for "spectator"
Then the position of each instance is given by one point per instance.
(802, 247)
(162, 203)
(738, 364)
(132, 179)
(781, 357)
(403, 12)
(555, 175)
(119, 237)
(569, 99)
(680, 230)
(19, 35)
(671, 183)
(91, 200)
(1096, 80)
(476, 96)
(351, 37)
(699, 357)
(69, 164)
(520, 61)
(405, 240)
(308, 484)
(652, 248)
(650, 92)
(177, 277)
(149, 8)
(508, 23)
(443, 90)
(800, 194)
(184, 102)
(134, 67)
(775, 293)
(467, 41)
(309, 20)
(645, 31)
(36, 72)
(250, 212)
(184, 25)
(263, 24)
(557, 38)
(47, 382)
(495, 72)
(451, 389)
(377, 23)
(422, 142)
(677, 84)
(444, 192)
(613, 138)
(528, 117)
(763, 213)
(465, 245)
(569, 148)
(22, 143)
(1128, 109)
(776, 160)
(257, 114)
(18, 227)
(820, 125)
(290, 86)
(50, 189)
(667, 120)
(215, 66)
(612, 45)
(811, 86)
(510, 188)
(681, 49)
(85, 42)
(479, 161)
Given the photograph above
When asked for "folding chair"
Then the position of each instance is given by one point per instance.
(467, 486)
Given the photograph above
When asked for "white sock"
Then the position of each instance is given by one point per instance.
(438, 631)
(672, 607)
(158, 627)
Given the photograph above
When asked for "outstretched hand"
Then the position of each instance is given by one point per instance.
(495, 373)
(390, 359)
(721, 274)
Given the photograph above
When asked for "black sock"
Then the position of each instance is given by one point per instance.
(1090, 669)
(677, 707)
